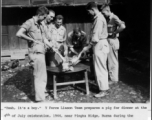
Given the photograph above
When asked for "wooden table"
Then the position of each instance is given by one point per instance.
(77, 68)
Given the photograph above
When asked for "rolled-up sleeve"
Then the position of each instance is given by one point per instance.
(84, 40)
(27, 25)
(118, 21)
(97, 30)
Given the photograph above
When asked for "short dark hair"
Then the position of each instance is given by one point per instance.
(42, 11)
(59, 17)
(91, 5)
(76, 30)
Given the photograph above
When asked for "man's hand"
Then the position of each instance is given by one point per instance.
(66, 53)
(85, 49)
(75, 60)
(73, 51)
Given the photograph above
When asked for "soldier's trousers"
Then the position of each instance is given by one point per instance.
(113, 65)
(40, 75)
(101, 50)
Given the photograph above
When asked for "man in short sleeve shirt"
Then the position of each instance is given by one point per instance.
(47, 25)
(32, 32)
(58, 36)
(115, 26)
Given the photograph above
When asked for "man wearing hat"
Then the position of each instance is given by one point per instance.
(115, 26)
(76, 41)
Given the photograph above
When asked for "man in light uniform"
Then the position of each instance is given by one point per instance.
(47, 25)
(115, 26)
(31, 31)
(58, 36)
(100, 46)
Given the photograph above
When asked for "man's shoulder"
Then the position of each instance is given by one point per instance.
(101, 17)
(70, 33)
(115, 17)
(62, 27)
(83, 33)
(29, 21)
(28, 24)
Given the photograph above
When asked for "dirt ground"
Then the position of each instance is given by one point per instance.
(132, 88)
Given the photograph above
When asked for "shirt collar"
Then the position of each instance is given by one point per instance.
(45, 22)
(35, 22)
(98, 13)
(61, 27)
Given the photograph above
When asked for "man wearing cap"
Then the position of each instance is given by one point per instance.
(115, 26)
(76, 41)
(100, 46)
(58, 36)
(31, 31)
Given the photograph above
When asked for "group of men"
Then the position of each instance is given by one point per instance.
(42, 34)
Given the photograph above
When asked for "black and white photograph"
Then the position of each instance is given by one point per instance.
(75, 51)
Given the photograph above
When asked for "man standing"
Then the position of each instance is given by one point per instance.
(32, 32)
(46, 25)
(58, 36)
(115, 26)
(100, 46)
(76, 41)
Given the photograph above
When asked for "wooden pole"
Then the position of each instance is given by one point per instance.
(54, 87)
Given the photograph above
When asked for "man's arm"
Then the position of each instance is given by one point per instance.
(44, 36)
(69, 43)
(21, 34)
(120, 24)
(84, 40)
(95, 35)
(65, 36)
(65, 43)
(22, 31)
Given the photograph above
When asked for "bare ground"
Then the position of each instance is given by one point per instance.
(132, 88)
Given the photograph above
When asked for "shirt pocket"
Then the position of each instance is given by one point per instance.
(36, 34)
(53, 34)
(60, 35)
(61, 32)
